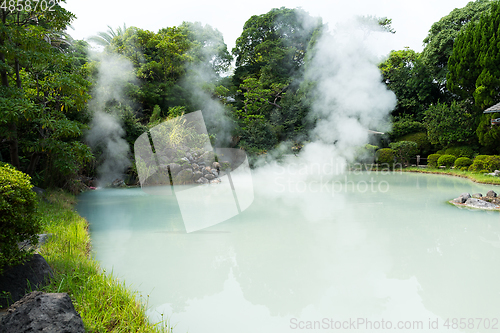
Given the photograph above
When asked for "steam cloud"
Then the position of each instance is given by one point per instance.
(349, 99)
(106, 133)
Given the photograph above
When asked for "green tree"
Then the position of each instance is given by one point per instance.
(449, 125)
(164, 59)
(272, 46)
(404, 73)
(440, 41)
(42, 95)
(474, 70)
(104, 38)
(404, 151)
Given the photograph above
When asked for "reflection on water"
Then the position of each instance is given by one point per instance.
(401, 254)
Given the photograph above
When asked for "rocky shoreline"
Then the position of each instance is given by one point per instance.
(491, 201)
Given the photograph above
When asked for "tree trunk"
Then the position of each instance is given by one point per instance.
(33, 162)
(14, 147)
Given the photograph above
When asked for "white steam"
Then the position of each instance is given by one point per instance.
(349, 99)
(106, 135)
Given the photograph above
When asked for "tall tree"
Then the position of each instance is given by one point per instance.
(405, 74)
(41, 91)
(474, 70)
(163, 59)
(442, 35)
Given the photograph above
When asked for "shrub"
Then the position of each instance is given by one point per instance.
(460, 151)
(485, 163)
(385, 156)
(18, 219)
(423, 144)
(432, 160)
(404, 150)
(462, 162)
(446, 160)
(365, 154)
(405, 126)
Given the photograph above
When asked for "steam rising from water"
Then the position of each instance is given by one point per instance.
(106, 135)
(349, 99)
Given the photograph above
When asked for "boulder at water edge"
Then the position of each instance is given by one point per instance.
(17, 280)
(478, 203)
(42, 312)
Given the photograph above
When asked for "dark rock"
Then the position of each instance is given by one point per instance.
(462, 198)
(478, 203)
(118, 183)
(477, 195)
(465, 196)
(174, 168)
(209, 176)
(14, 280)
(197, 175)
(202, 180)
(41, 312)
(491, 194)
(38, 190)
(215, 172)
(195, 166)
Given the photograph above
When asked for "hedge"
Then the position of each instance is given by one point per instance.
(485, 163)
(446, 161)
(432, 160)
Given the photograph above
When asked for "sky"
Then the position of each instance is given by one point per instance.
(411, 19)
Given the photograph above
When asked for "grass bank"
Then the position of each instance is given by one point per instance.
(104, 303)
(474, 176)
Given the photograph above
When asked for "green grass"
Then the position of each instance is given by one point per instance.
(474, 176)
(104, 303)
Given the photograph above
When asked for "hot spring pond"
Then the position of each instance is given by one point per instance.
(302, 259)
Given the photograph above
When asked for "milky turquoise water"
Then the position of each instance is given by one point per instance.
(384, 247)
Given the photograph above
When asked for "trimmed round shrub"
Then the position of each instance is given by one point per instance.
(462, 162)
(460, 151)
(18, 219)
(423, 144)
(446, 160)
(385, 156)
(432, 160)
(485, 163)
(404, 151)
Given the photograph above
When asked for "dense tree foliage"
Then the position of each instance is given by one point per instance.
(43, 89)
(164, 59)
(449, 124)
(474, 70)
(439, 42)
(46, 77)
(407, 76)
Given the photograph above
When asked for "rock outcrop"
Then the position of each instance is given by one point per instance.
(490, 201)
(196, 166)
(42, 312)
(17, 280)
